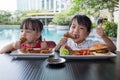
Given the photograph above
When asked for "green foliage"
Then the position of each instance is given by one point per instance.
(8, 18)
(75, 7)
(94, 25)
(110, 29)
(93, 7)
(61, 19)
(4, 17)
(51, 23)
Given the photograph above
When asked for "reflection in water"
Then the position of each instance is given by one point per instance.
(53, 34)
(10, 34)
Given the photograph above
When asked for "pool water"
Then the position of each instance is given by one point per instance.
(11, 33)
(53, 34)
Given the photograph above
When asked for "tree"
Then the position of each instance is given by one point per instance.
(5, 17)
(61, 19)
(93, 7)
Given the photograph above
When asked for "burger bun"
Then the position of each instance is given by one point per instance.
(99, 49)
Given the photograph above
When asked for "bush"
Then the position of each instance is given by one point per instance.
(94, 25)
(110, 29)
(61, 19)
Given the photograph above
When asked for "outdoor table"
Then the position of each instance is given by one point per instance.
(72, 69)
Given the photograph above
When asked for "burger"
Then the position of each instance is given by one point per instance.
(99, 49)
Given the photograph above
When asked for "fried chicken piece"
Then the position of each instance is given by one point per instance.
(68, 35)
(29, 50)
(22, 39)
(46, 50)
(23, 50)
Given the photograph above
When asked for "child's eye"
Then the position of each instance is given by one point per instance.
(21, 31)
(81, 28)
(73, 26)
(28, 31)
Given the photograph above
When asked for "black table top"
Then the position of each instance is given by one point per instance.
(38, 69)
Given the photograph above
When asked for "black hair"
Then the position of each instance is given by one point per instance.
(100, 21)
(35, 24)
(83, 20)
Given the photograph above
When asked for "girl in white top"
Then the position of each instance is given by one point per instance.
(80, 26)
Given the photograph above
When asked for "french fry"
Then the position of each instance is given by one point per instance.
(81, 52)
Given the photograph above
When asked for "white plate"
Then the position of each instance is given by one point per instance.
(18, 53)
(55, 61)
(112, 55)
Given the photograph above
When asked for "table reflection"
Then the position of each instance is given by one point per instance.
(72, 69)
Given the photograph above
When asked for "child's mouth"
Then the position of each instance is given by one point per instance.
(76, 36)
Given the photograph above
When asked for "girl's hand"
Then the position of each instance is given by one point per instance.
(44, 44)
(100, 31)
(17, 45)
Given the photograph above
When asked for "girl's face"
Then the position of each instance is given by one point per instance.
(30, 35)
(79, 31)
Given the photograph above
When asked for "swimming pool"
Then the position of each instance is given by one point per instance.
(11, 33)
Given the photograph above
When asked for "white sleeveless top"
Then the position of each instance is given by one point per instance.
(84, 45)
